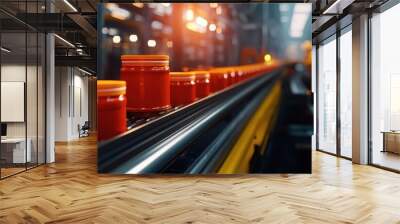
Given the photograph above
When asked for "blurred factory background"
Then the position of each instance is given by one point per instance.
(202, 35)
(207, 36)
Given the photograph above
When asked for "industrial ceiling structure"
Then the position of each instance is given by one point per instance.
(328, 16)
(73, 23)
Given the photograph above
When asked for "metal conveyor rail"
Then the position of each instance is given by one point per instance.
(152, 147)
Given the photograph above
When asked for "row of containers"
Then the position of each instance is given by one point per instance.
(147, 86)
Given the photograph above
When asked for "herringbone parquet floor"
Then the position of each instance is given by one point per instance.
(70, 191)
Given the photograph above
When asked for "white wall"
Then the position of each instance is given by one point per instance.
(33, 127)
(61, 103)
(71, 87)
(16, 72)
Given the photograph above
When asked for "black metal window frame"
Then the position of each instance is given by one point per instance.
(381, 9)
(333, 37)
(384, 7)
(44, 95)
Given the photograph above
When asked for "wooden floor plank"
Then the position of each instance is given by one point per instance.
(71, 191)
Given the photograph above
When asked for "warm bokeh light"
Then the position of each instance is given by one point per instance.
(307, 45)
(138, 5)
(156, 25)
(201, 21)
(117, 12)
(170, 44)
(116, 39)
(189, 15)
(191, 26)
(213, 5)
(267, 58)
(133, 38)
(219, 10)
(212, 27)
(151, 43)
(196, 27)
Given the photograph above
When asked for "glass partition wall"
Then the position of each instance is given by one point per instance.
(22, 77)
(345, 93)
(334, 85)
(327, 96)
(385, 89)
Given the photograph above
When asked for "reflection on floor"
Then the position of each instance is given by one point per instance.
(387, 159)
(14, 169)
(10, 171)
(71, 191)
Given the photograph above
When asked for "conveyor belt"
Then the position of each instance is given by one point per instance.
(254, 137)
(193, 139)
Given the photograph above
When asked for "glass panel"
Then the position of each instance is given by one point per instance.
(327, 97)
(385, 84)
(41, 99)
(13, 87)
(22, 80)
(345, 94)
(31, 97)
(32, 87)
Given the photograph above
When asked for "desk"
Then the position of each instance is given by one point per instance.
(391, 141)
(13, 150)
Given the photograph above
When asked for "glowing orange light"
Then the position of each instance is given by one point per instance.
(195, 27)
(151, 43)
(201, 21)
(191, 26)
(138, 4)
(219, 11)
(170, 44)
(267, 58)
(213, 5)
(189, 15)
(212, 27)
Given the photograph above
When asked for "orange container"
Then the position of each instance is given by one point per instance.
(147, 81)
(202, 84)
(218, 80)
(183, 88)
(111, 108)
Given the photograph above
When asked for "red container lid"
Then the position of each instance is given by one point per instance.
(182, 76)
(111, 87)
(145, 59)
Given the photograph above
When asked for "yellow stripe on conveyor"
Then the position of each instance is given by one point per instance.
(256, 132)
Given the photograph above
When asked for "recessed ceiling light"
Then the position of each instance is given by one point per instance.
(70, 5)
(5, 50)
(64, 40)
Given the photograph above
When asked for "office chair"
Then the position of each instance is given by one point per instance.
(84, 130)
